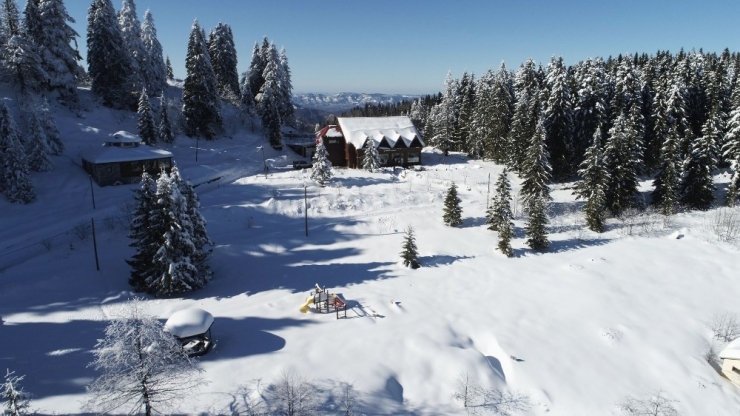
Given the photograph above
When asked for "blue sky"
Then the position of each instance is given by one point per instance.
(407, 46)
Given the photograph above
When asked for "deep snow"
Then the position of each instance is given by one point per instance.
(579, 328)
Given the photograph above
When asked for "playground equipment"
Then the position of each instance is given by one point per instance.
(323, 302)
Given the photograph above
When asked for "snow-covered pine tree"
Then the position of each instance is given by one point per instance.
(731, 149)
(15, 181)
(223, 58)
(144, 233)
(466, 106)
(505, 234)
(525, 116)
(371, 157)
(286, 90)
(57, 55)
(535, 229)
(452, 211)
(621, 188)
(17, 402)
(418, 114)
(39, 159)
(168, 65)
(480, 129)
(201, 241)
(109, 63)
(443, 117)
(32, 22)
(10, 24)
(501, 113)
(592, 187)
(154, 70)
(257, 67)
(145, 124)
(590, 109)
(697, 185)
(144, 369)
(130, 26)
(558, 119)
(174, 270)
(535, 170)
(164, 131)
(269, 100)
(500, 210)
(22, 64)
(53, 137)
(409, 253)
(200, 93)
(321, 170)
(246, 104)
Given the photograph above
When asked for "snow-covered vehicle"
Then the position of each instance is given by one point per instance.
(193, 328)
(302, 164)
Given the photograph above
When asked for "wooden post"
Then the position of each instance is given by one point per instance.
(95, 244)
(92, 191)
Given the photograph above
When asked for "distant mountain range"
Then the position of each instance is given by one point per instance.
(337, 103)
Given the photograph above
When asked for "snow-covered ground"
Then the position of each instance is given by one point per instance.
(579, 328)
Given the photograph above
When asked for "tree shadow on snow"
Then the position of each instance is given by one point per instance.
(236, 338)
(440, 260)
(559, 246)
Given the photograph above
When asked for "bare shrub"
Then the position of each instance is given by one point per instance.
(724, 224)
(126, 211)
(629, 218)
(475, 400)
(82, 230)
(467, 391)
(247, 401)
(506, 403)
(348, 398)
(47, 243)
(291, 395)
(725, 326)
(110, 223)
(655, 405)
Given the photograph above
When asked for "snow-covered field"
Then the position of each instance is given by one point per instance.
(579, 328)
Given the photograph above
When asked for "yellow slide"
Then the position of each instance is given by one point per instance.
(304, 307)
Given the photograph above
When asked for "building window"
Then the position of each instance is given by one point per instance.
(736, 370)
(383, 157)
(413, 157)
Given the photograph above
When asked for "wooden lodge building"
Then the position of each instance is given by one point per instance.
(397, 140)
(123, 158)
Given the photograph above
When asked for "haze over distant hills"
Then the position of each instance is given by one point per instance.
(336, 103)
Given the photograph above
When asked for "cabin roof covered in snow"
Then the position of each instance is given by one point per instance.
(189, 322)
(330, 131)
(731, 351)
(124, 137)
(113, 154)
(358, 129)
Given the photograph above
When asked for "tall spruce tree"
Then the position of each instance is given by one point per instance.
(409, 253)
(321, 170)
(499, 117)
(590, 110)
(39, 159)
(257, 68)
(145, 124)
(452, 211)
(223, 58)
(621, 188)
(164, 131)
(20, 62)
(592, 187)
(199, 234)
(15, 181)
(109, 63)
(558, 119)
(697, 186)
(269, 100)
(535, 170)
(168, 66)
(731, 148)
(130, 26)
(481, 129)
(57, 55)
(200, 92)
(526, 114)
(371, 157)
(286, 90)
(535, 228)
(500, 217)
(53, 136)
(144, 233)
(154, 70)
(466, 106)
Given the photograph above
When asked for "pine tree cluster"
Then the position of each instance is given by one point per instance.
(169, 233)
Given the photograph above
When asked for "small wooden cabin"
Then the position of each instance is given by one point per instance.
(123, 158)
(730, 357)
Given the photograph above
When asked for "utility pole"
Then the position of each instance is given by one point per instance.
(264, 161)
(197, 145)
(92, 191)
(95, 244)
(305, 206)
(488, 192)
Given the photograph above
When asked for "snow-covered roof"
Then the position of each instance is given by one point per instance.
(330, 131)
(189, 322)
(112, 154)
(358, 129)
(731, 351)
(124, 137)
